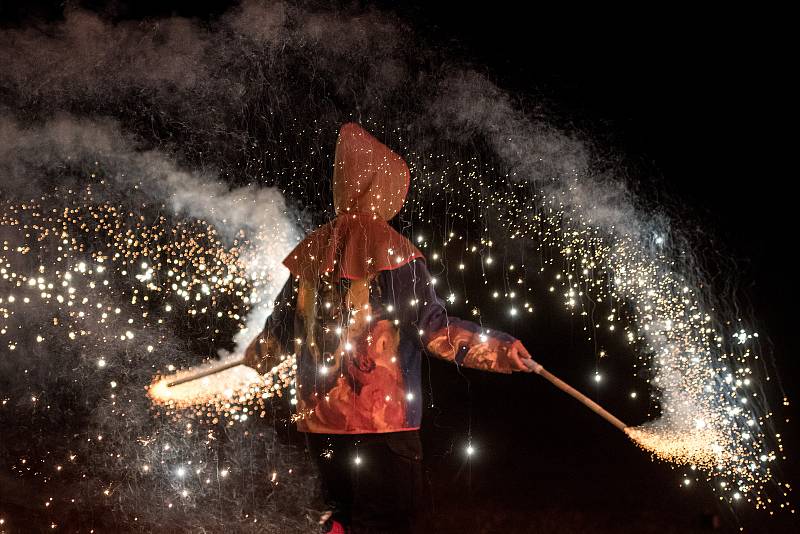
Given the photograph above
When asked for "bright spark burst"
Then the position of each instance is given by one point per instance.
(182, 266)
(700, 363)
(229, 394)
(698, 369)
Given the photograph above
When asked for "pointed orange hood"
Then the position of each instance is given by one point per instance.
(370, 184)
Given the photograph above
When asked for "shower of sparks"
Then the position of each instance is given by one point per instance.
(110, 281)
(234, 394)
(705, 390)
(101, 298)
(704, 370)
(698, 448)
(174, 268)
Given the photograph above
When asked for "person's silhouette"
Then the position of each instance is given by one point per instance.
(357, 310)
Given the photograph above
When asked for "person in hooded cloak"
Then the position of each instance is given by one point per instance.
(357, 312)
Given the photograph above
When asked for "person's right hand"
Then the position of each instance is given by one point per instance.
(521, 359)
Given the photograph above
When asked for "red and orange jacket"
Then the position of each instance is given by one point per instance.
(373, 383)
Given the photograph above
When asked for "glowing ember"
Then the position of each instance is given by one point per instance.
(225, 392)
(692, 447)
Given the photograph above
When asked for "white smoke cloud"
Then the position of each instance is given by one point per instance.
(257, 217)
(261, 214)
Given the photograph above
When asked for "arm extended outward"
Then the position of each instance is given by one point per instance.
(450, 338)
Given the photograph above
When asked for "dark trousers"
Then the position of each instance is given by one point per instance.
(372, 482)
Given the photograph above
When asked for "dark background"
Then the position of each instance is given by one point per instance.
(700, 104)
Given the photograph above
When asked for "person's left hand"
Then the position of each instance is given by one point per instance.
(519, 359)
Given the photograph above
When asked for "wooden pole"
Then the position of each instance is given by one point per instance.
(201, 373)
(589, 403)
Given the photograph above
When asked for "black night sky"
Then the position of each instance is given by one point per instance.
(699, 107)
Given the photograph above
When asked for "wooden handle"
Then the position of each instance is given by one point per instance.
(596, 408)
(205, 372)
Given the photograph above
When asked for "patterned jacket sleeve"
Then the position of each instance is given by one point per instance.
(275, 339)
(448, 337)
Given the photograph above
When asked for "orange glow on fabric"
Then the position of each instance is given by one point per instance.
(370, 184)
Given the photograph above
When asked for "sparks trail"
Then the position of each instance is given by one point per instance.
(77, 261)
(702, 365)
(95, 296)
